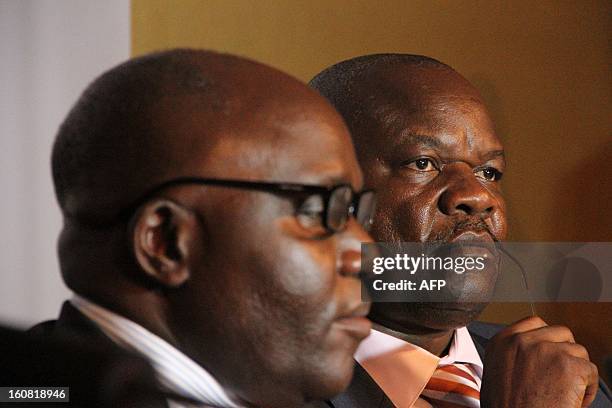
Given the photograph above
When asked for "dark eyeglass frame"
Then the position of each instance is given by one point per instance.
(326, 192)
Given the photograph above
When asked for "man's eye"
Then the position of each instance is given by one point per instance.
(310, 212)
(489, 173)
(422, 164)
(312, 204)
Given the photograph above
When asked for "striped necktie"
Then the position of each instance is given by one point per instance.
(453, 385)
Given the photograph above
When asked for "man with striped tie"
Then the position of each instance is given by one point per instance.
(204, 230)
(426, 143)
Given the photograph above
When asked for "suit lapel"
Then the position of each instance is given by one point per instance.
(363, 392)
(481, 334)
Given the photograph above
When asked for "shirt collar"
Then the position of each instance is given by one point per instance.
(402, 369)
(463, 350)
(174, 370)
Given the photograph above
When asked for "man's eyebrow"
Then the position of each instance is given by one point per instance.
(494, 155)
(418, 139)
(328, 180)
(342, 179)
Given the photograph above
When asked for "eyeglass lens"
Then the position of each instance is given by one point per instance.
(337, 210)
(365, 209)
(340, 202)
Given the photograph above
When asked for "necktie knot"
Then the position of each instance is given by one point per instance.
(453, 385)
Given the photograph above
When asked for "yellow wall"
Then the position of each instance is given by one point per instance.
(543, 67)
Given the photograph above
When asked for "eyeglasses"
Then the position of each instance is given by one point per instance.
(340, 202)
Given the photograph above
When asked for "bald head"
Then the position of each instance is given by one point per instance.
(158, 116)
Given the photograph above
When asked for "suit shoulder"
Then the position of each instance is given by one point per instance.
(363, 392)
(71, 324)
(484, 330)
(42, 328)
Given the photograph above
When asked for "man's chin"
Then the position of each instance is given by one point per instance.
(425, 317)
(329, 383)
(449, 315)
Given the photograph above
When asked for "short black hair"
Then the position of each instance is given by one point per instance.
(334, 81)
(337, 82)
(112, 118)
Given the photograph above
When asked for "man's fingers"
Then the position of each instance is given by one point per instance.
(552, 366)
(576, 350)
(524, 325)
(552, 334)
(591, 376)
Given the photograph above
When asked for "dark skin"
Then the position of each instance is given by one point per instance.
(256, 292)
(428, 146)
(432, 156)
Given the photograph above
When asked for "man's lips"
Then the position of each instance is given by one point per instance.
(471, 236)
(355, 322)
(474, 244)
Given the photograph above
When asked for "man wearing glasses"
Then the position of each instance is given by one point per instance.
(206, 229)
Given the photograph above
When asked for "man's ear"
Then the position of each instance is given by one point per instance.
(162, 235)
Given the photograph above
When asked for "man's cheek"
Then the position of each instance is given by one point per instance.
(498, 224)
(383, 228)
(411, 220)
(308, 268)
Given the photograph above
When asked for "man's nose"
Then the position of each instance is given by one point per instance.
(465, 194)
(349, 247)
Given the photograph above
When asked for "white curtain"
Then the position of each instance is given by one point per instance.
(49, 51)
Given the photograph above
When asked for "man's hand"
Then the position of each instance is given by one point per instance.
(530, 364)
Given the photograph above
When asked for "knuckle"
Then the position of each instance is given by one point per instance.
(519, 342)
(566, 363)
(565, 332)
(587, 371)
(582, 351)
(593, 369)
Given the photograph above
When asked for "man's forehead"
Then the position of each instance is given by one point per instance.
(434, 118)
(308, 150)
(404, 88)
(487, 148)
(323, 155)
(438, 133)
(405, 107)
(422, 79)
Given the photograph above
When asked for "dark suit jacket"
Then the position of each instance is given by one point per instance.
(98, 372)
(72, 325)
(72, 353)
(363, 392)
